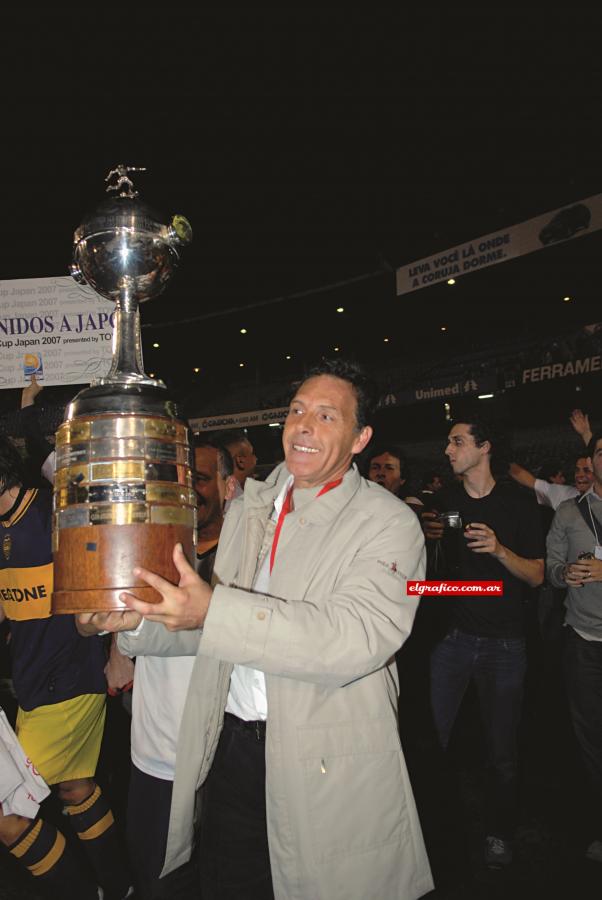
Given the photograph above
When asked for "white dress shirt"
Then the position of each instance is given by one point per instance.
(247, 698)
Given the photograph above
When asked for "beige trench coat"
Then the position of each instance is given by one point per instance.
(342, 822)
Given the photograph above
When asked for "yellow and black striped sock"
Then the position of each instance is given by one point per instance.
(94, 825)
(43, 850)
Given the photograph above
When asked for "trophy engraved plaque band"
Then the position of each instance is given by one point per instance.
(123, 494)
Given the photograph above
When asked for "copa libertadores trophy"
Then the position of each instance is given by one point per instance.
(123, 492)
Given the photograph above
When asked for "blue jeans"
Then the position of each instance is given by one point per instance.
(497, 666)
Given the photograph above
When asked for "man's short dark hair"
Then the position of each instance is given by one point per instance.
(12, 469)
(482, 430)
(394, 450)
(225, 463)
(366, 391)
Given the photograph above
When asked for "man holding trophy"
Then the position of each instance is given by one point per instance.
(290, 723)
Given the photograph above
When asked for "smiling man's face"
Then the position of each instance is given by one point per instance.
(320, 434)
(583, 474)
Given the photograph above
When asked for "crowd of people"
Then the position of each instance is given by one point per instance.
(271, 683)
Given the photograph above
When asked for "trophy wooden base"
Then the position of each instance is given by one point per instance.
(94, 564)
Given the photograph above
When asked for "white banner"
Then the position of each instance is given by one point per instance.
(517, 240)
(55, 329)
(240, 420)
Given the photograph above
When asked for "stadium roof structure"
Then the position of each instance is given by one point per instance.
(314, 152)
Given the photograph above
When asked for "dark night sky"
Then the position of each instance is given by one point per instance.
(307, 148)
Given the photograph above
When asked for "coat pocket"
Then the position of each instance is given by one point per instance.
(353, 786)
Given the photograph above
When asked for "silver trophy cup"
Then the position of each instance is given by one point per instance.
(123, 492)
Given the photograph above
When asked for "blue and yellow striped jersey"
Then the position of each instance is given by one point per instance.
(51, 661)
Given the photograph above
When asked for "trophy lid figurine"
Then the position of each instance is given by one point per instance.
(123, 492)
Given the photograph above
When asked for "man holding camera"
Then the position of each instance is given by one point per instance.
(574, 560)
(486, 534)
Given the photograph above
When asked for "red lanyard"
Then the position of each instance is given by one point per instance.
(286, 508)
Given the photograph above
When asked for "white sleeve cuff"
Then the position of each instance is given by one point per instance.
(133, 632)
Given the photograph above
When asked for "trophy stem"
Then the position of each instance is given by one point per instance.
(127, 366)
(127, 341)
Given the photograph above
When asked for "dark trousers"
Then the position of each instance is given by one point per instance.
(234, 858)
(149, 803)
(583, 674)
(497, 666)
